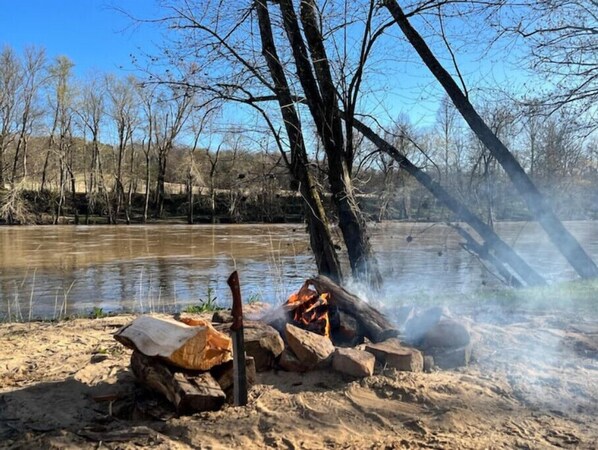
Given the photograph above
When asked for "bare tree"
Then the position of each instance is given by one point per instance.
(172, 110)
(10, 82)
(33, 79)
(123, 111)
(537, 204)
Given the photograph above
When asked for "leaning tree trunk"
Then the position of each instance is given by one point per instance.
(321, 242)
(321, 100)
(502, 250)
(536, 202)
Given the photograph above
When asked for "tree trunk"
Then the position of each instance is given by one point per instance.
(321, 241)
(322, 102)
(190, 198)
(147, 187)
(503, 251)
(536, 202)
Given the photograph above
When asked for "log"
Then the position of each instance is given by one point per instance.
(375, 326)
(198, 347)
(189, 393)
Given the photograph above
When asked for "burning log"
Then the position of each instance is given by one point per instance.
(375, 326)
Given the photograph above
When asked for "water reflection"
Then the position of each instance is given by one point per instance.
(161, 267)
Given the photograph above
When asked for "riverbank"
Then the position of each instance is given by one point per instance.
(533, 384)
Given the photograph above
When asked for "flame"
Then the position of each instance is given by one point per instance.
(312, 312)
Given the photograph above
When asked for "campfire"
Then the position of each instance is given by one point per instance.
(310, 310)
(198, 364)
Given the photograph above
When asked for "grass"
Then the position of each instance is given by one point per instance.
(207, 305)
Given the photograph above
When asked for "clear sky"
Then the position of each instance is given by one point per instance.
(90, 32)
(97, 37)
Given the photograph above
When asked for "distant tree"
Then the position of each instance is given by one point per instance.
(11, 74)
(122, 109)
(34, 77)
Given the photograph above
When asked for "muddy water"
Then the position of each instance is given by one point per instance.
(47, 271)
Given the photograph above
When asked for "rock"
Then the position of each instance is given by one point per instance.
(428, 363)
(353, 362)
(391, 354)
(446, 333)
(289, 362)
(451, 358)
(224, 375)
(310, 348)
(264, 344)
(222, 316)
(417, 326)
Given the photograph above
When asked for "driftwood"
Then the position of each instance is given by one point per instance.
(198, 347)
(188, 392)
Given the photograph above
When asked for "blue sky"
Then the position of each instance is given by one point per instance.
(96, 37)
(92, 34)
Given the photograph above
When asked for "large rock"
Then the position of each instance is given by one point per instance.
(418, 325)
(390, 353)
(289, 362)
(446, 333)
(353, 362)
(262, 342)
(310, 348)
(451, 358)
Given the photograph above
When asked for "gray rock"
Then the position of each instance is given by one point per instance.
(451, 358)
(417, 326)
(446, 333)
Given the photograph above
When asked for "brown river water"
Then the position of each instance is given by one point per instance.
(52, 271)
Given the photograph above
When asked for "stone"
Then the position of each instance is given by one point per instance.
(289, 362)
(310, 348)
(417, 326)
(451, 358)
(390, 353)
(446, 333)
(262, 342)
(428, 363)
(353, 362)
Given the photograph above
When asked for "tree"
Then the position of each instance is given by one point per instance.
(33, 79)
(10, 82)
(537, 204)
(91, 112)
(123, 111)
(172, 110)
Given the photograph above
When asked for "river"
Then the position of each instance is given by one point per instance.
(52, 271)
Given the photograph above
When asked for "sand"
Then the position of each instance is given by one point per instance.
(533, 385)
